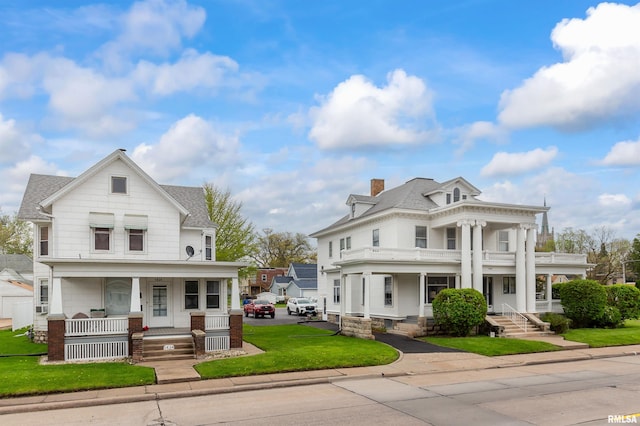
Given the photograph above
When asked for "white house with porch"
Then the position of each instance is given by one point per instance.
(383, 263)
(118, 258)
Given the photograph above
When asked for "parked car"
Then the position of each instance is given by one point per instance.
(301, 306)
(259, 308)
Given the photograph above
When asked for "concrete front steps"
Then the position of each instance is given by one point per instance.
(165, 348)
(510, 329)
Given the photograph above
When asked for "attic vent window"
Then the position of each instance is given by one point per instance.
(118, 185)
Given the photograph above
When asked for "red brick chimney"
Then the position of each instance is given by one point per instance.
(377, 186)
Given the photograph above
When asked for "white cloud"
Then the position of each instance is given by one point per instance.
(153, 27)
(623, 154)
(359, 114)
(614, 200)
(598, 80)
(469, 134)
(13, 144)
(191, 71)
(14, 180)
(192, 143)
(504, 163)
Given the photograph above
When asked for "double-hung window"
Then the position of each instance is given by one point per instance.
(136, 229)
(213, 294)
(44, 241)
(348, 243)
(451, 238)
(208, 247)
(336, 291)
(503, 240)
(102, 239)
(421, 236)
(375, 238)
(330, 249)
(388, 291)
(44, 292)
(508, 285)
(436, 284)
(191, 294)
(102, 227)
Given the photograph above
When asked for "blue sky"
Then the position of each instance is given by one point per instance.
(294, 105)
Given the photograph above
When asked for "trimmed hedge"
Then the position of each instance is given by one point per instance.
(584, 302)
(458, 311)
(626, 299)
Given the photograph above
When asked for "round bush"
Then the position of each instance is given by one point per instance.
(626, 298)
(611, 318)
(457, 311)
(558, 323)
(583, 302)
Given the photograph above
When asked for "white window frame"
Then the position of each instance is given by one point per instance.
(375, 237)
(45, 241)
(450, 238)
(348, 240)
(435, 284)
(197, 294)
(420, 238)
(503, 241)
(509, 285)
(388, 291)
(214, 293)
(112, 184)
(43, 283)
(330, 249)
(208, 247)
(336, 292)
(99, 231)
(133, 233)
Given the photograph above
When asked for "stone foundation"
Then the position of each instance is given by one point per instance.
(357, 327)
(40, 336)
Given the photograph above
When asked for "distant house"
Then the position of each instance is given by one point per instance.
(386, 259)
(301, 280)
(263, 279)
(20, 263)
(16, 292)
(117, 254)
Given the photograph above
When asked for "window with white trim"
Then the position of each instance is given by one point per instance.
(388, 291)
(44, 241)
(421, 236)
(213, 294)
(456, 194)
(375, 238)
(208, 247)
(330, 248)
(451, 238)
(118, 185)
(348, 243)
(102, 239)
(503, 240)
(436, 284)
(336, 291)
(136, 240)
(44, 291)
(508, 285)
(191, 293)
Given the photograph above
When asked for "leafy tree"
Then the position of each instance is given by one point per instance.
(457, 311)
(279, 249)
(626, 299)
(632, 265)
(235, 234)
(15, 235)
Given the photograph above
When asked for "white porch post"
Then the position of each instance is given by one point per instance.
(549, 293)
(465, 253)
(423, 285)
(531, 269)
(343, 284)
(55, 305)
(477, 255)
(521, 276)
(135, 295)
(366, 288)
(235, 294)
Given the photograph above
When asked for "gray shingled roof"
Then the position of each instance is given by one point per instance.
(20, 263)
(305, 270)
(306, 284)
(407, 196)
(41, 187)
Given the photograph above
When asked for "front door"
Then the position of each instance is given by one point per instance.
(487, 290)
(160, 314)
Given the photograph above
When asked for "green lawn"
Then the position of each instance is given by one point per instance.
(601, 337)
(298, 348)
(23, 375)
(491, 346)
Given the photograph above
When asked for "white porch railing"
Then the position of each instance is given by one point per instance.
(516, 317)
(216, 322)
(382, 253)
(96, 326)
(96, 350)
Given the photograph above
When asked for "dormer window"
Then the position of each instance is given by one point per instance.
(456, 195)
(353, 209)
(118, 185)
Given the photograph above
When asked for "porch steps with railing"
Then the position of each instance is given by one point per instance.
(165, 348)
(508, 328)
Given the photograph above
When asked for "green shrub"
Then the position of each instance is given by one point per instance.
(457, 311)
(558, 322)
(626, 298)
(611, 318)
(583, 302)
(555, 290)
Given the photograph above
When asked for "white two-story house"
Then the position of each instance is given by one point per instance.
(384, 262)
(118, 256)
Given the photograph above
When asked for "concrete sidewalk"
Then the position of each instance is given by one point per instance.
(181, 380)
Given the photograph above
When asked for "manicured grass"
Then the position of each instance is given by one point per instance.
(601, 337)
(492, 346)
(23, 375)
(15, 343)
(298, 348)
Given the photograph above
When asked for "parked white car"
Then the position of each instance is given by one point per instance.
(301, 306)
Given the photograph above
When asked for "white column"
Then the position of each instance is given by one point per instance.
(422, 292)
(343, 284)
(531, 269)
(235, 294)
(549, 293)
(521, 276)
(465, 254)
(55, 305)
(367, 291)
(477, 255)
(135, 295)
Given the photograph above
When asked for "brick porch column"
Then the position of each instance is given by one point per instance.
(136, 346)
(55, 324)
(135, 326)
(235, 328)
(197, 321)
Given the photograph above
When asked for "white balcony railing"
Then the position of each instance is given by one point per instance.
(216, 322)
(516, 317)
(96, 326)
